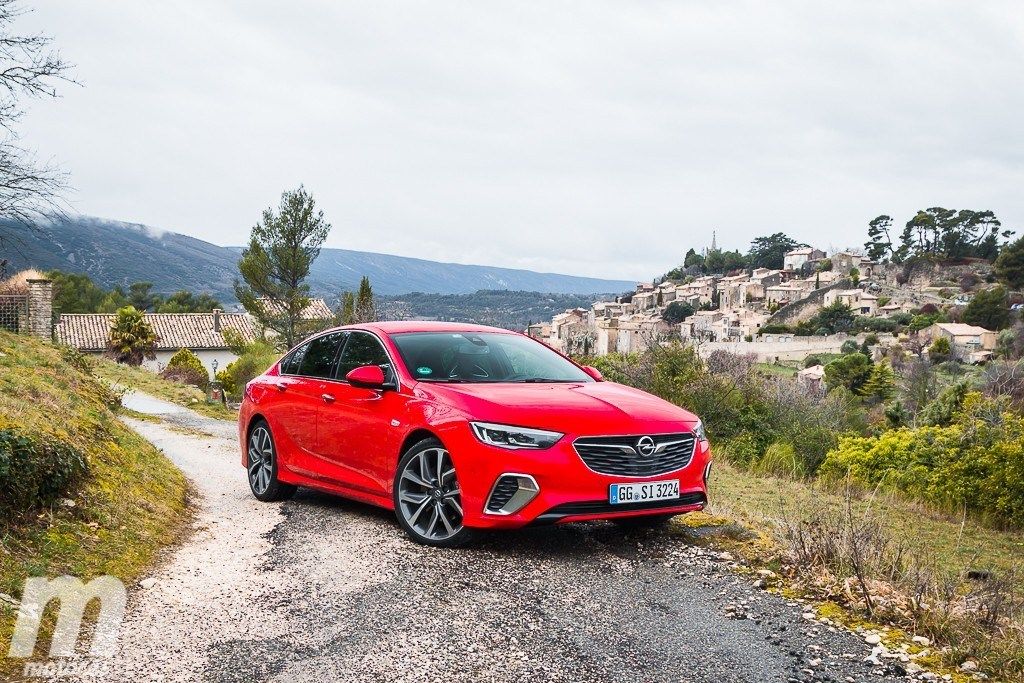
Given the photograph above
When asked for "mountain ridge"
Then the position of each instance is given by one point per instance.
(117, 253)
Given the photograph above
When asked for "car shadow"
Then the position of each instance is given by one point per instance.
(553, 541)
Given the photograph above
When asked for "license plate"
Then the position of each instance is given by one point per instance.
(643, 493)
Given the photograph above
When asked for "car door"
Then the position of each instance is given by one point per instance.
(356, 433)
(305, 392)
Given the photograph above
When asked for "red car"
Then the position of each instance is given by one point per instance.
(460, 428)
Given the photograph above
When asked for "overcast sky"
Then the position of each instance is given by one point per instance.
(591, 138)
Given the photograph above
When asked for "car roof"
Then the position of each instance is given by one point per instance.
(400, 326)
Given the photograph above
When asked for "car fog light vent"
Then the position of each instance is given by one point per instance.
(511, 493)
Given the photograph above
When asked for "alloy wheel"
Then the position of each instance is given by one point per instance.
(429, 498)
(261, 460)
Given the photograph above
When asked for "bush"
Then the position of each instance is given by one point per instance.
(850, 371)
(253, 359)
(976, 462)
(812, 360)
(185, 367)
(35, 470)
(940, 350)
(849, 346)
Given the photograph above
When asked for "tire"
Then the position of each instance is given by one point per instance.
(261, 469)
(643, 521)
(428, 502)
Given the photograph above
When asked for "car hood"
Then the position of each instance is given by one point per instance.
(577, 408)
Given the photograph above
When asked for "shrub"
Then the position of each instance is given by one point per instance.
(976, 462)
(850, 371)
(849, 346)
(35, 470)
(253, 359)
(989, 309)
(185, 367)
(940, 350)
(812, 360)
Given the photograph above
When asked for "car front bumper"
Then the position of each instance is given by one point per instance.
(568, 490)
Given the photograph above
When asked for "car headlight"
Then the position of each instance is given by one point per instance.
(505, 436)
(698, 431)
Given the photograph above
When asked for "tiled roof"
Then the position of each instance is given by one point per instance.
(961, 329)
(316, 310)
(90, 331)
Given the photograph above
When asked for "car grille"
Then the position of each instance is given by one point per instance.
(600, 507)
(619, 455)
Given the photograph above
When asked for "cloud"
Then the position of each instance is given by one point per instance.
(593, 138)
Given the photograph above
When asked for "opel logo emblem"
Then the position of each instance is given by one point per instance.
(645, 445)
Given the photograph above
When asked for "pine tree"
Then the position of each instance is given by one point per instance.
(347, 314)
(881, 383)
(366, 309)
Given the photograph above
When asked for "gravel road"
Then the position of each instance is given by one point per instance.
(319, 589)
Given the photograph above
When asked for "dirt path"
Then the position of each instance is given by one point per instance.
(321, 589)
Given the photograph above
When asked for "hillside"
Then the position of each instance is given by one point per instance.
(511, 310)
(112, 252)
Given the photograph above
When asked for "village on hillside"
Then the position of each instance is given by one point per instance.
(770, 313)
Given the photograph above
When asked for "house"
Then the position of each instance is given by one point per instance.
(732, 291)
(703, 288)
(566, 328)
(862, 303)
(844, 261)
(784, 294)
(540, 331)
(701, 325)
(795, 260)
(738, 324)
(316, 310)
(812, 379)
(201, 333)
(637, 333)
(968, 342)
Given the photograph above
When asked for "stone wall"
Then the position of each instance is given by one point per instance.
(807, 307)
(40, 308)
(769, 352)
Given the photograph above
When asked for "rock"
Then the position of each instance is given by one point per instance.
(809, 616)
(67, 502)
(148, 583)
(872, 639)
(969, 665)
(9, 599)
(921, 640)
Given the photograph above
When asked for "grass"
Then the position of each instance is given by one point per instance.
(131, 503)
(749, 512)
(151, 383)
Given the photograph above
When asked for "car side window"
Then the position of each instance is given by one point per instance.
(319, 358)
(363, 349)
(291, 364)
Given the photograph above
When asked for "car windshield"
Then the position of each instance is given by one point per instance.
(483, 357)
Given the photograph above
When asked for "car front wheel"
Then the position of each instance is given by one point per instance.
(428, 500)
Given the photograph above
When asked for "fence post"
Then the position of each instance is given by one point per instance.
(40, 308)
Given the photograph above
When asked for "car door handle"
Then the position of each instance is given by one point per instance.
(281, 386)
(328, 398)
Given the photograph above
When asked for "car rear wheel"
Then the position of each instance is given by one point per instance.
(428, 501)
(262, 466)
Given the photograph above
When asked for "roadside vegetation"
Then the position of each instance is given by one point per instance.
(80, 493)
(146, 381)
(897, 494)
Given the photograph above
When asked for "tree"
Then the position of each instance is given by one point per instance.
(275, 265)
(131, 338)
(186, 302)
(881, 383)
(692, 258)
(676, 312)
(951, 234)
(879, 245)
(855, 276)
(347, 314)
(140, 295)
(718, 261)
(989, 309)
(851, 371)
(1009, 266)
(75, 293)
(940, 350)
(366, 308)
(28, 68)
(770, 252)
(835, 318)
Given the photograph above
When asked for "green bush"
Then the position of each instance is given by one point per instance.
(35, 470)
(253, 359)
(185, 367)
(850, 371)
(976, 462)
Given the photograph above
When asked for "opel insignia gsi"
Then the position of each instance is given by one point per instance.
(461, 428)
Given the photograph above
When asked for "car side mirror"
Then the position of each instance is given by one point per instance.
(366, 377)
(593, 372)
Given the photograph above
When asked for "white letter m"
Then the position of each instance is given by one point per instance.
(73, 596)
